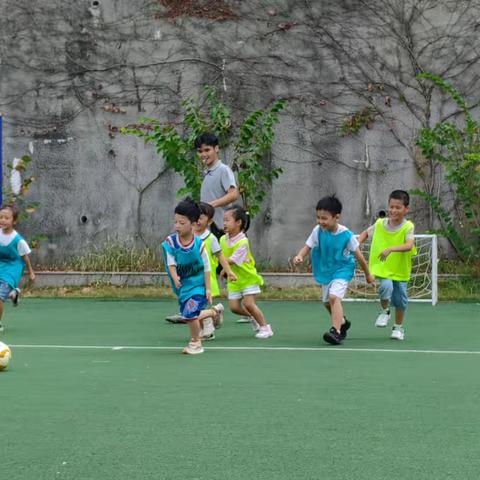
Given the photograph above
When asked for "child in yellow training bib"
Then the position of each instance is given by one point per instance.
(241, 294)
(391, 252)
(215, 256)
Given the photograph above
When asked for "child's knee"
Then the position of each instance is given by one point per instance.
(385, 290)
(400, 296)
(234, 306)
(249, 303)
(333, 299)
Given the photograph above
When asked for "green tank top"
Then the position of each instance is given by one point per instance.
(398, 265)
(213, 265)
(246, 273)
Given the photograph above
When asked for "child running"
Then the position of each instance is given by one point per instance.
(215, 256)
(189, 272)
(391, 252)
(333, 249)
(14, 252)
(241, 294)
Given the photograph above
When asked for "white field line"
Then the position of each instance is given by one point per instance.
(267, 349)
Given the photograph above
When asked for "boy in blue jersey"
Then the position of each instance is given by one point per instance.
(14, 252)
(189, 270)
(333, 249)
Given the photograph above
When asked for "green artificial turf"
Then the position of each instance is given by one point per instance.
(291, 408)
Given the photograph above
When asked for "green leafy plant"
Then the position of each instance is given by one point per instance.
(256, 136)
(251, 145)
(457, 148)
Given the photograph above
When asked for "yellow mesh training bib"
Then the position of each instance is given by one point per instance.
(246, 273)
(213, 266)
(398, 265)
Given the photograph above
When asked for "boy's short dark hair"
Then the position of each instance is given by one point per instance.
(206, 139)
(400, 195)
(330, 204)
(206, 209)
(188, 208)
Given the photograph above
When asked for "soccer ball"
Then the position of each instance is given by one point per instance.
(5, 356)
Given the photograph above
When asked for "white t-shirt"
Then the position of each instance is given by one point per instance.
(393, 228)
(214, 243)
(312, 240)
(22, 247)
(203, 252)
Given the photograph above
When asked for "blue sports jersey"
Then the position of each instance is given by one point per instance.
(190, 267)
(332, 259)
(12, 264)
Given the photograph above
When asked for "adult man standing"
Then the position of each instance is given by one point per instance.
(219, 187)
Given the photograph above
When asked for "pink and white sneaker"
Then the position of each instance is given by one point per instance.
(264, 332)
(218, 320)
(193, 348)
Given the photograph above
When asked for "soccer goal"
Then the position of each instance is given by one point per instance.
(423, 283)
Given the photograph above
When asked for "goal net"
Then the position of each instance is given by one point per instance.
(422, 286)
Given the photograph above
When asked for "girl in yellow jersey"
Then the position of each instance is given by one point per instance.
(215, 256)
(241, 294)
(390, 260)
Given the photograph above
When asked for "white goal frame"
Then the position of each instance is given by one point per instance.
(423, 285)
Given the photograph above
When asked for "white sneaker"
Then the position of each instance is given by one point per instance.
(264, 332)
(176, 318)
(218, 320)
(14, 295)
(208, 331)
(383, 319)
(243, 320)
(255, 325)
(398, 333)
(193, 348)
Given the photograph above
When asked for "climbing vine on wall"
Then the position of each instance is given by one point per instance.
(251, 145)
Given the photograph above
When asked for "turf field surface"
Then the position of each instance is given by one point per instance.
(99, 390)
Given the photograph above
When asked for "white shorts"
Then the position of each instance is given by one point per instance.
(253, 290)
(337, 287)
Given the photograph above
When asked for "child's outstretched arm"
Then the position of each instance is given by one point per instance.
(31, 273)
(174, 275)
(404, 247)
(364, 266)
(208, 287)
(206, 273)
(300, 256)
(363, 237)
(239, 256)
(226, 266)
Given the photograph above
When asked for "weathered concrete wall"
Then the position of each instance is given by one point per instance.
(67, 64)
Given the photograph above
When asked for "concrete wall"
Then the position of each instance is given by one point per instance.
(67, 64)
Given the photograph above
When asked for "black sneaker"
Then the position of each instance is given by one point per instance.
(343, 329)
(333, 337)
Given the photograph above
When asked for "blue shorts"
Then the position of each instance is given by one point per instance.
(190, 309)
(5, 289)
